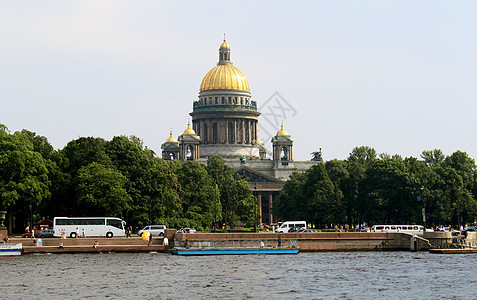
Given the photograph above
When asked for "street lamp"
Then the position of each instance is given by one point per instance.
(419, 198)
(215, 206)
(31, 209)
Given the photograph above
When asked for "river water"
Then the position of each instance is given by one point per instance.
(329, 275)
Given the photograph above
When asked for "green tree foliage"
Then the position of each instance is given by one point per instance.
(236, 198)
(24, 180)
(198, 195)
(289, 203)
(100, 191)
(92, 176)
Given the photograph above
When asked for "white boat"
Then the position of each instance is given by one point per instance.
(7, 249)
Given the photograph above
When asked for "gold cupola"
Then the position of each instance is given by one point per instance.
(224, 76)
(282, 131)
(188, 129)
(171, 139)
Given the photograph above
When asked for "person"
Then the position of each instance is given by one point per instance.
(63, 233)
(61, 246)
(33, 233)
(279, 242)
(150, 240)
(166, 241)
(77, 232)
(262, 244)
(82, 233)
(95, 245)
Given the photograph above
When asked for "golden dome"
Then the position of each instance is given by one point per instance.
(188, 129)
(224, 76)
(282, 131)
(171, 139)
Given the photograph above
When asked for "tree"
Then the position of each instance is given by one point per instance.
(101, 191)
(198, 198)
(236, 198)
(318, 195)
(24, 180)
(358, 161)
(289, 203)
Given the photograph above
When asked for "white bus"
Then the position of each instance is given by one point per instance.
(415, 229)
(93, 226)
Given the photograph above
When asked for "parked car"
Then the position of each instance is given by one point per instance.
(28, 234)
(157, 230)
(46, 233)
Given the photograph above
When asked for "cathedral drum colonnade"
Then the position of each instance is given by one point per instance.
(225, 123)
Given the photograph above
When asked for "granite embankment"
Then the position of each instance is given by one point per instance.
(311, 242)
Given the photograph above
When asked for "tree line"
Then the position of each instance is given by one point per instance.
(121, 178)
(383, 189)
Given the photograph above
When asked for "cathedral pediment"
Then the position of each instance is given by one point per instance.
(252, 175)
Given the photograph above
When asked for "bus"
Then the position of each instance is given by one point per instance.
(93, 226)
(415, 229)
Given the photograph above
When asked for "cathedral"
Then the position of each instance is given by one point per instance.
(225, 123)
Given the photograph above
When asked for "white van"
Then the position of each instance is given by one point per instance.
(286, 226)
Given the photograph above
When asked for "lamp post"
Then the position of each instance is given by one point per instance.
(31, 209)
(419, 198)
(255, 207)
(215, 206)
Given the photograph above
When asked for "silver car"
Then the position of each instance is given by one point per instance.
(157, 230)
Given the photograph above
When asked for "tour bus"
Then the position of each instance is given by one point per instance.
(93, 226)
(415, 229)
(286, 226)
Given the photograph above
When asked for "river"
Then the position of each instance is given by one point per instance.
(328, 275)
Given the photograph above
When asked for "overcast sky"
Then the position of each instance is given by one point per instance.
(398, 76)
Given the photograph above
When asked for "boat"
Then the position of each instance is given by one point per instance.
(233, 251)
(8, 249)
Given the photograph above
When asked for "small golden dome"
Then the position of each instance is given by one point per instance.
(188, 129)
(171, 139)
(282, 131)
(224, 46)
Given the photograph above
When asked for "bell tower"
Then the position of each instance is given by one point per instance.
(282, 148)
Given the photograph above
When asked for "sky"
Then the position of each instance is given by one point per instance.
(397, 76)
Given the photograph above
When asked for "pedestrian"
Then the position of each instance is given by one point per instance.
(150, 240)
(77, 232)
(83, 233)
(262, 244)
(61, 246)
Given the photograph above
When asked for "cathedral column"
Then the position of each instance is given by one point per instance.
(218, 132)
(202, 136)
(226, 131)
(243, 132)
(210, 132)
(270, 215)
(235, 131)
(249, 131)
